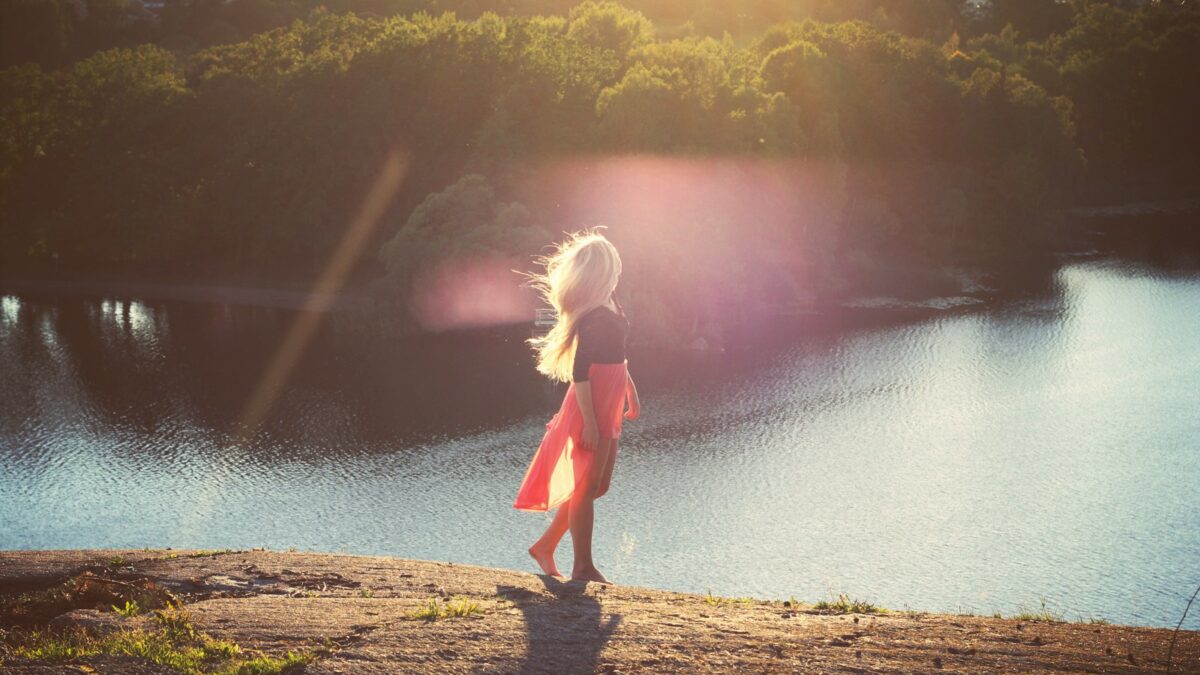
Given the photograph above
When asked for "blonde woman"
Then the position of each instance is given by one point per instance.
(574, 463)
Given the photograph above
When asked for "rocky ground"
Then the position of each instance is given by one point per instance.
(361, 614)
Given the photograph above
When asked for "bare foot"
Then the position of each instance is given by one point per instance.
(545, 560)
(592, 574)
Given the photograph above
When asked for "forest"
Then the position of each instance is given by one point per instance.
(737, 151)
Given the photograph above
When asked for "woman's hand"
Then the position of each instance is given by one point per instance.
(591, 431)
(633, 407)
(591, 436)
(633, 403)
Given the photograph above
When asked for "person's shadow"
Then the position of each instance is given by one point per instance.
(566, 632)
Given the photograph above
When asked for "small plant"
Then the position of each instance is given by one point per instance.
(205, 553)
(220, 649)
(460, 606)
(366, 593)
(1042, 615)
(844, 605)
(1098, 620)
(176, 622)
(269, 665)
(130, 609)
(117, 561)
(717, 601)
(430, 611)
(435, 609)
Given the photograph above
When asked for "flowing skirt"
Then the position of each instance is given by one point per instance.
(561, 462)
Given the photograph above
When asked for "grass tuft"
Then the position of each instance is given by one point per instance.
(844, 605)
(176, 623)
(1044, 614)
(462, 607)
(436, 609)
(205, 553)
(717, 601)
(178, 648)
(270, 665)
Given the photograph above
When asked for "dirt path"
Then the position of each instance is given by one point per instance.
(356, 612)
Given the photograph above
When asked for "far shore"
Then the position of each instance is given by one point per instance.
(278, 298)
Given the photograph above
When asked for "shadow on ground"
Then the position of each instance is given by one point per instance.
(567, 631)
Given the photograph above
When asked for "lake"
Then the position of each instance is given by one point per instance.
(1040, 446)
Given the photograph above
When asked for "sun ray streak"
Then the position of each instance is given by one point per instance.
(323, 294)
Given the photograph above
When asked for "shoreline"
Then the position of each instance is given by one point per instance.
(342, 613)
(250, 296)
(960, 286)
(928, 292)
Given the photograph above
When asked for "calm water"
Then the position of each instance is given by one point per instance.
(977, 459)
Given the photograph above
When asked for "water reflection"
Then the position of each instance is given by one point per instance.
(973, 459)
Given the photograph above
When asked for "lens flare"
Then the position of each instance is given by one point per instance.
(323, 293)
(472, 292)
(704, 239)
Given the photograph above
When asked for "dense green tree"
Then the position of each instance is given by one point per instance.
(465, 222)
(229, 151)
(609, 25)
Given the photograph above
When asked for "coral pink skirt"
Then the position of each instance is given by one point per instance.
(561, 461)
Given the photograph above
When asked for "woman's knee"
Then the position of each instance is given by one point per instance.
(588, 490)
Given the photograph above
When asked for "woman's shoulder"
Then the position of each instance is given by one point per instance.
(602, 315)
(602, 324)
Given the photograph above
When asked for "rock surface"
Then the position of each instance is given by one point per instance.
(358, 611)
(96, 621)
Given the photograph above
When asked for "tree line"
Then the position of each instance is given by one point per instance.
(236, 140)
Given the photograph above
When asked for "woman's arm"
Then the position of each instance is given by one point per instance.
(631, 397)
(591, 432)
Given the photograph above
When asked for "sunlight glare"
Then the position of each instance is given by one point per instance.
(324, 292)
(471, 292)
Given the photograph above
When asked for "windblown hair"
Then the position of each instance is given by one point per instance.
(580, 275)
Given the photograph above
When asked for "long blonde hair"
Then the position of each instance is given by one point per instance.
(580, 275)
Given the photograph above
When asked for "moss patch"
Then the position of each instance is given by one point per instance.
(174, 642)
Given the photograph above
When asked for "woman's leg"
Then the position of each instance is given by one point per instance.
(606, 477)
(582, 516)
(543, 549)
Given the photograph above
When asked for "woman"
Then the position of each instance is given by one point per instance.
(574, 462)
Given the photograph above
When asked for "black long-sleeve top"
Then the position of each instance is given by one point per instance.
(601, 339)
